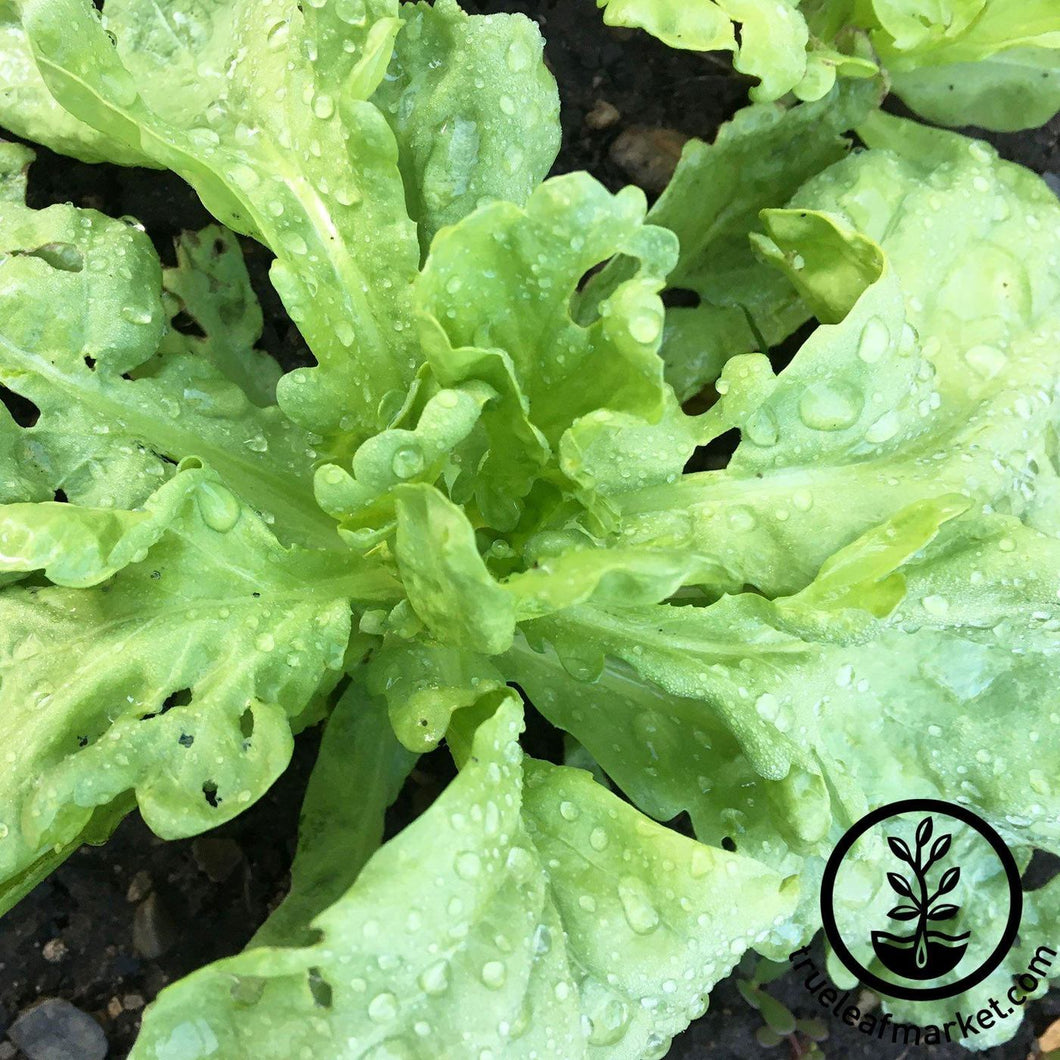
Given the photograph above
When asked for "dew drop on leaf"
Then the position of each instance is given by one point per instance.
(640, 914)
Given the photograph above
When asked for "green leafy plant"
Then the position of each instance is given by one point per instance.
(475, 500)
(992, 63)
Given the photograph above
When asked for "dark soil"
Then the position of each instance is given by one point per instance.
(115, 924)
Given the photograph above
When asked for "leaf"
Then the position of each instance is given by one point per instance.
(773, 38)
(179, 678)
(359, 771)
(1018, 88)
(943, 912)
(940, 847)
(903, 912)
(507, 947)
(949, 879)
(900, 849)
(819, 463)
(900, 884)
(313, 175)
(923, 832)
(758, 160)
(211, 282)
(120, 402)
(28, 109)
(474, 110)
(494, 304)
(423, 684)
(447, 583)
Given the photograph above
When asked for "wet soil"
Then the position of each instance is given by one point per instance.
(115, 924)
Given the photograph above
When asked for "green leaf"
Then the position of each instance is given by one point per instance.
(772, 42)
(211, 285)
(180, 677)
(494, 304)
(447, 582)
(424, 684)
(758, 160)
(275, 150)
(933, 383)
(82, 336)
(28, 109)
(547, 924)
(474, 109)
(1018, 88)
(358, 773)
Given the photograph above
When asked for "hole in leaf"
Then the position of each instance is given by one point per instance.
(62, 256)
(780, 356)
(60, 497)
(715, 454)
(22, 410)
(320, 988)
(1042, 868)
(186, 324)
(82, 741)
(91, 362)
(219, 246)
(180, 698)
(209, 793)
(728, 844)
(246, 723)
(680, 298)
(186, 739)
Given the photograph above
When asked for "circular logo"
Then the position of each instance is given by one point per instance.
(921, 899)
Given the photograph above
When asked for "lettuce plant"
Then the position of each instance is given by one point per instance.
(992, 63)
(475, 500)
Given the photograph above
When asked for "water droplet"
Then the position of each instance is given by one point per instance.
(468, 865)
(293, 242)
(136, 314)
(277, 35)
(406, 462)
(323, 106)
(645, 326)
(884, 429)
(383, 1008)
(875, 339)
(641, 915)
(985, 361)
(761, 427)
(830, 406)
(598, 839)
(936, 605)
(434, 980)
(493, 974)
(542, 940)
(519, 57)
(568, 811)
(352, 12)
(218, 507)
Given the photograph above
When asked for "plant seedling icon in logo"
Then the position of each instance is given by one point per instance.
(927, 952)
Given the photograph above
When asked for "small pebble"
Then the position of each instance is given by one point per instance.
(56, 1030)
(114, 1008)
(153, 929)
(132, 1002)
(139, 887)
(648, 156)
(7, 1051)
(603, 115)
(54, 950)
